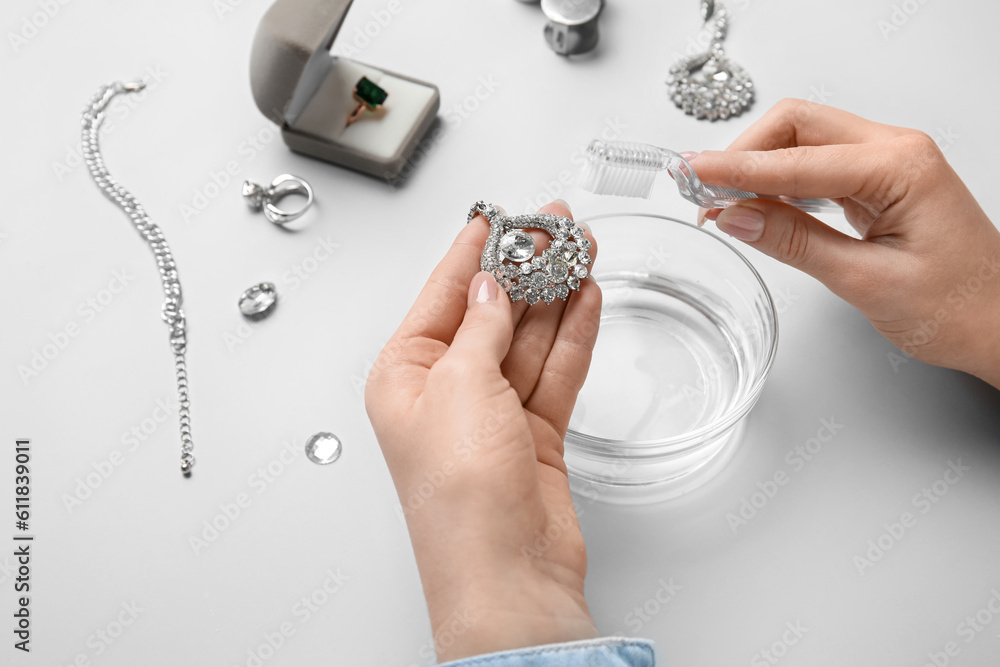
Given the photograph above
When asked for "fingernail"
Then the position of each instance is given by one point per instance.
(502, 210)
(745, 224)
(689, 155)
(705, 214)
(487, 287)
(701, 216)
(564, 204)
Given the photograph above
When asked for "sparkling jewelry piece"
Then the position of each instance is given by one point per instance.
(171, 312)
(550, 276)
(265, 198)
(259, 301)
(323, 448)
(710, 86)
(369, 96)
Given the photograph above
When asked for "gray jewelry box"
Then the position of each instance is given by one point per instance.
(299, 85)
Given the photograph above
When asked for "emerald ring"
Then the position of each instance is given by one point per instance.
(369, 97)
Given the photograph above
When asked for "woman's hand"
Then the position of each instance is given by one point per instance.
(470, 401)
(926, 270)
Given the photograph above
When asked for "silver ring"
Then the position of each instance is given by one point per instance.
(259, 197)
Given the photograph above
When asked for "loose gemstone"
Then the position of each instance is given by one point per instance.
(581, 271)
(573, 283)
(538, 280)
(517, 245)
(558, 271)
(548, 295)
(257, 302)
(584, 257)
(562, 291)
(531, 296)
(323, 448)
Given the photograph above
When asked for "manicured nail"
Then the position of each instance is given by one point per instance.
(705, 214)
(502, 210)
(689, 155)
(487, 287)
(562, 202)
(745, 224)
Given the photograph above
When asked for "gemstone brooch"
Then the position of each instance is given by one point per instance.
(509, 255)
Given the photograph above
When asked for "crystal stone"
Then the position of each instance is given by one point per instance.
(538, 280)
(517, 245)
(548, 295)
(562, 291)
(257, 302)
(581, 271)
(323, 448)
(531, 296)
(573, 283)
(526, 268)
(558, 271)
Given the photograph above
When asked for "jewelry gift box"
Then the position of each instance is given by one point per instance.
(330, 107)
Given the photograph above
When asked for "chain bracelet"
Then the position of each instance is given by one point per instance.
(171, 312)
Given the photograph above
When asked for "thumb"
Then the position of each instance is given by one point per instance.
(488, 327)
(795, 238)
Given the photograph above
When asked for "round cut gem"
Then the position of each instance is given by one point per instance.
(256, 303)
(531, 296)
(548, 295)
(573, 283)
(562, 291)
(538, 280)
(510, 271)
(548, 253)
(526, 268)
(581, 271)
(584, 244)
(558, 271)
(516, 293)
(517, 245)
(584, 257)
(538, 263)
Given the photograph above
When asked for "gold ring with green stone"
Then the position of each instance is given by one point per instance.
(369, 96)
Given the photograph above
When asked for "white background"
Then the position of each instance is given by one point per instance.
(302, 370)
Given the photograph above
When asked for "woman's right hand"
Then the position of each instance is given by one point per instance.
(926, 271)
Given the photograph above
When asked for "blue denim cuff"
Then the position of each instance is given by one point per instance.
(604, 652)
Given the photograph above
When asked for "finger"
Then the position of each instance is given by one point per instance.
(484, 335)
(793, 122)
(848, 170)
(441, 304)
(557, 207)
(534, 336)
(568, 361)
(800, 240)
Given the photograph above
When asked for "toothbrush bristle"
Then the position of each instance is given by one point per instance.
(621, 169)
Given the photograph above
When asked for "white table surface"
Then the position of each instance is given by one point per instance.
(302, 370)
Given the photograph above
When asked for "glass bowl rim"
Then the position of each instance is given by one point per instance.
(679, 443)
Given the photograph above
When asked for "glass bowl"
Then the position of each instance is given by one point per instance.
(688, 335)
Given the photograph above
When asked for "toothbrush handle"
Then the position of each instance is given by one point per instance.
(805, 204)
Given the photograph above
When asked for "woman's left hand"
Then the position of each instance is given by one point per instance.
(470, 401)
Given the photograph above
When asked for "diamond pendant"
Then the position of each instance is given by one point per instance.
(710, 86)
(546, 277)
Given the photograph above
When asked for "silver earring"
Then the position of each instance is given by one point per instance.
(709, 85)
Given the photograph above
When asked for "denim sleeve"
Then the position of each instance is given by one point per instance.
(603, 652)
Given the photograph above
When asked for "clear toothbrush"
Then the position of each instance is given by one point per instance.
(628, 170)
